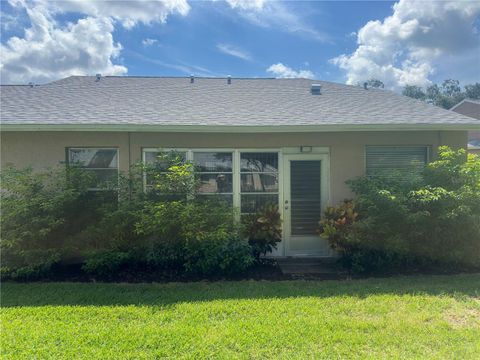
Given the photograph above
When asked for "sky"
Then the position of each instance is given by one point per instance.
(409, 42)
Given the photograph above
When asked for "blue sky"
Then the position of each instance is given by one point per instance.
(197, 40)
(405, 42)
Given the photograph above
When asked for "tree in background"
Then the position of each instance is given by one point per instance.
(375, 83)
(447, 95)
(414, 91)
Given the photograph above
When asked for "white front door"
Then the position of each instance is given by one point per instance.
(306, 178)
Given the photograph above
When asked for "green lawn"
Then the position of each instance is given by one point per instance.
(404, 317)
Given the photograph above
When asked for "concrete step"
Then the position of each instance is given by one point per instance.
(307, 266)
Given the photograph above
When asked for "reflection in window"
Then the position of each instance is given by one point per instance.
(258, 180)
(214, 172)
(102, 163)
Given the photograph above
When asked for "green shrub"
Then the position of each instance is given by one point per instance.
(168, 227)
(263, 229)
(220, 253)
(39, 268)
(409, 226)
(107, 265)
(50, 217)
(41, 211)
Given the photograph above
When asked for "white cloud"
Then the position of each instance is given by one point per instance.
(408, 46)
(149, 42)
(277, 15)
(234, 51)
(247, 4)
(8, 21)
(282, 71)
(49, 50)
(127, 12)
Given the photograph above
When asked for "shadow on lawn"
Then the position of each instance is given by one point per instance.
(103, 294)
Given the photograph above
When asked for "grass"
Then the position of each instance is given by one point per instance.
(404, 317)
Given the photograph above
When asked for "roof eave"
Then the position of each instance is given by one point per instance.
(238, 129)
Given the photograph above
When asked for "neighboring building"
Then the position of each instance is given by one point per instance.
(470, 107)
(291, 141)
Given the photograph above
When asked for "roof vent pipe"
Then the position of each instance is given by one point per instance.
(316, 89)
(365, 85)
(229, 79)
(192, 79)
(98, 77)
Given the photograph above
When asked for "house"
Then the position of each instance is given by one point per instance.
(470, 107)
(291, 141)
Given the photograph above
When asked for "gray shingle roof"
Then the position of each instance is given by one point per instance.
(167, 101)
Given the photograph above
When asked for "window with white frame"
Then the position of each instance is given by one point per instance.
(159, 161)
(258, 180)
(214, 173)
(247, 179)
(395, 161)
(101, 162)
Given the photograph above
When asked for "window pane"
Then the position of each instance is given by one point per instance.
(93, 158)
(213, 161)
(259, 162)
(215, 183)
(161, 160)
(104, 178)
(252, 203)
(222, 197)
(259, 182)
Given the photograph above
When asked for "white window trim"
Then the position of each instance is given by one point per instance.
(236, 166)
(68, 148)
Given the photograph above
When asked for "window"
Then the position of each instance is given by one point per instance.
(395, 161)
(159, 160)
(102, 162)
(258, 180)
(214, 172)
(246, 179)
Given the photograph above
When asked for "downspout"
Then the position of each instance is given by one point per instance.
(440, 143)
(129, 151)
(129, 166)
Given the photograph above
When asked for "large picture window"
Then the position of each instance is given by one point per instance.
(395, 161)
(247, 179)
(102, 162)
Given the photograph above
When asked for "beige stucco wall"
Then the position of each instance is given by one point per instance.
(44, 149)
